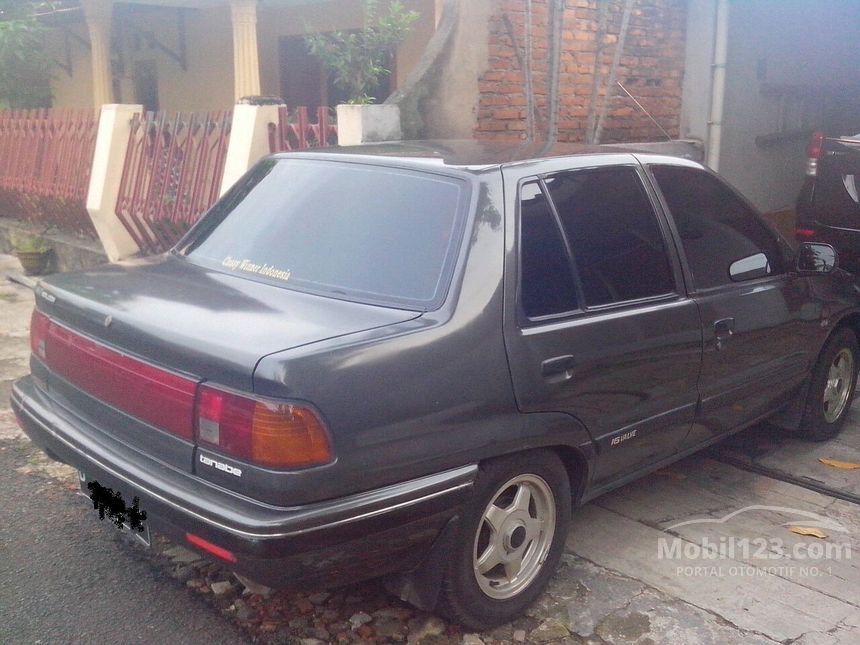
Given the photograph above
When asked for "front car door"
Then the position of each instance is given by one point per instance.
(598, 324)
(755, 313)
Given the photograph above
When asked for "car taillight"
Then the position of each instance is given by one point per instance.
(264, 432)
(39, 324)
(814, 152)
(154, 395)
(804, 233)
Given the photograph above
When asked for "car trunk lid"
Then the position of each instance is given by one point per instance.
(129, 341)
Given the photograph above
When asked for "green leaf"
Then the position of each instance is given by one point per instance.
(357, 60)
(25, 65)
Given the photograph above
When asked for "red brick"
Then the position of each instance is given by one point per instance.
(507, 114)
(652, 68)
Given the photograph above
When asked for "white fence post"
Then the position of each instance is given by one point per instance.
(249, 140)
(108, 161)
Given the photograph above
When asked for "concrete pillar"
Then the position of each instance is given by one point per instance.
(246, 59)
(249, 140)
(108, 161)
(98, 17)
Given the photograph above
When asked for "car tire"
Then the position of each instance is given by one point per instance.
(831, 389)
(518, 517)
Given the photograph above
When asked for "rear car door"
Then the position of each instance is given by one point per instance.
(602, 328)
(756, 344)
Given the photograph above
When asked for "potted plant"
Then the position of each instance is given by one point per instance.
(32, 252)
(357, 60)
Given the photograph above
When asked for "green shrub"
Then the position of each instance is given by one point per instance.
(357, 59)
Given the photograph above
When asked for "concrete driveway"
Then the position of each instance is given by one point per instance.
(710, 550)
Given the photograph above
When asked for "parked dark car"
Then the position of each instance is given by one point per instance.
(413, 360)
(828, 207)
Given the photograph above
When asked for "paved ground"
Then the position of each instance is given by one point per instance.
(637, 568)
(64, 577)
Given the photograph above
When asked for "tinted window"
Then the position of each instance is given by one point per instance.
(613, 232)
(715, 226)
(546, 277)
(352, 231)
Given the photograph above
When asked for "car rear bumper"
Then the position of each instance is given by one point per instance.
(322, 544)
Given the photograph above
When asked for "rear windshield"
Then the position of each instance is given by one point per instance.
(352, 231)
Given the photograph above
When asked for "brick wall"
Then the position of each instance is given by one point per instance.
(651, 68)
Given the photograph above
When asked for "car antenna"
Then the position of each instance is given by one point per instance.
(639, 105)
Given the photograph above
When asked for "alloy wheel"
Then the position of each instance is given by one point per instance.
(837, 388)
(514, 536)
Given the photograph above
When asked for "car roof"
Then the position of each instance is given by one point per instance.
(473, 155)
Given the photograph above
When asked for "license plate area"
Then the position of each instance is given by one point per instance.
(111, 506)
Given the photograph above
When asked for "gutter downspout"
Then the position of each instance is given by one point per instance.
(556, 24)
(718, 83)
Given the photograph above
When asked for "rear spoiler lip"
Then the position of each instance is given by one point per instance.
(20, 278)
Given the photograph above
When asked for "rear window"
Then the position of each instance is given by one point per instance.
(352, 231)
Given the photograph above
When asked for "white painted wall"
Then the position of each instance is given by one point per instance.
(799, 42)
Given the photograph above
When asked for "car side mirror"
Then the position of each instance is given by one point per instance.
(814, 257)
(749, 268)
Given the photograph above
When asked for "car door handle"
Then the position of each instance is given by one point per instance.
(723, 330)
(557, 369)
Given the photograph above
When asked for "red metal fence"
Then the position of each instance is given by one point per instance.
(45, 162)
(172, 174)
(296, 132)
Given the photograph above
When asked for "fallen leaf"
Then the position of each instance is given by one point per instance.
(835, 463)
(671, 474)
(805, 530)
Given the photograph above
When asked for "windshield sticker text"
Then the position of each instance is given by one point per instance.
(266, 270)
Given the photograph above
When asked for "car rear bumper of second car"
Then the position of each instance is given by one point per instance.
(321, 544)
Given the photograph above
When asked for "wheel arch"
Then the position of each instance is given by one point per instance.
(559, 432)
(577, 462)
(577, 466)
(790, 417)
(851, 321)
